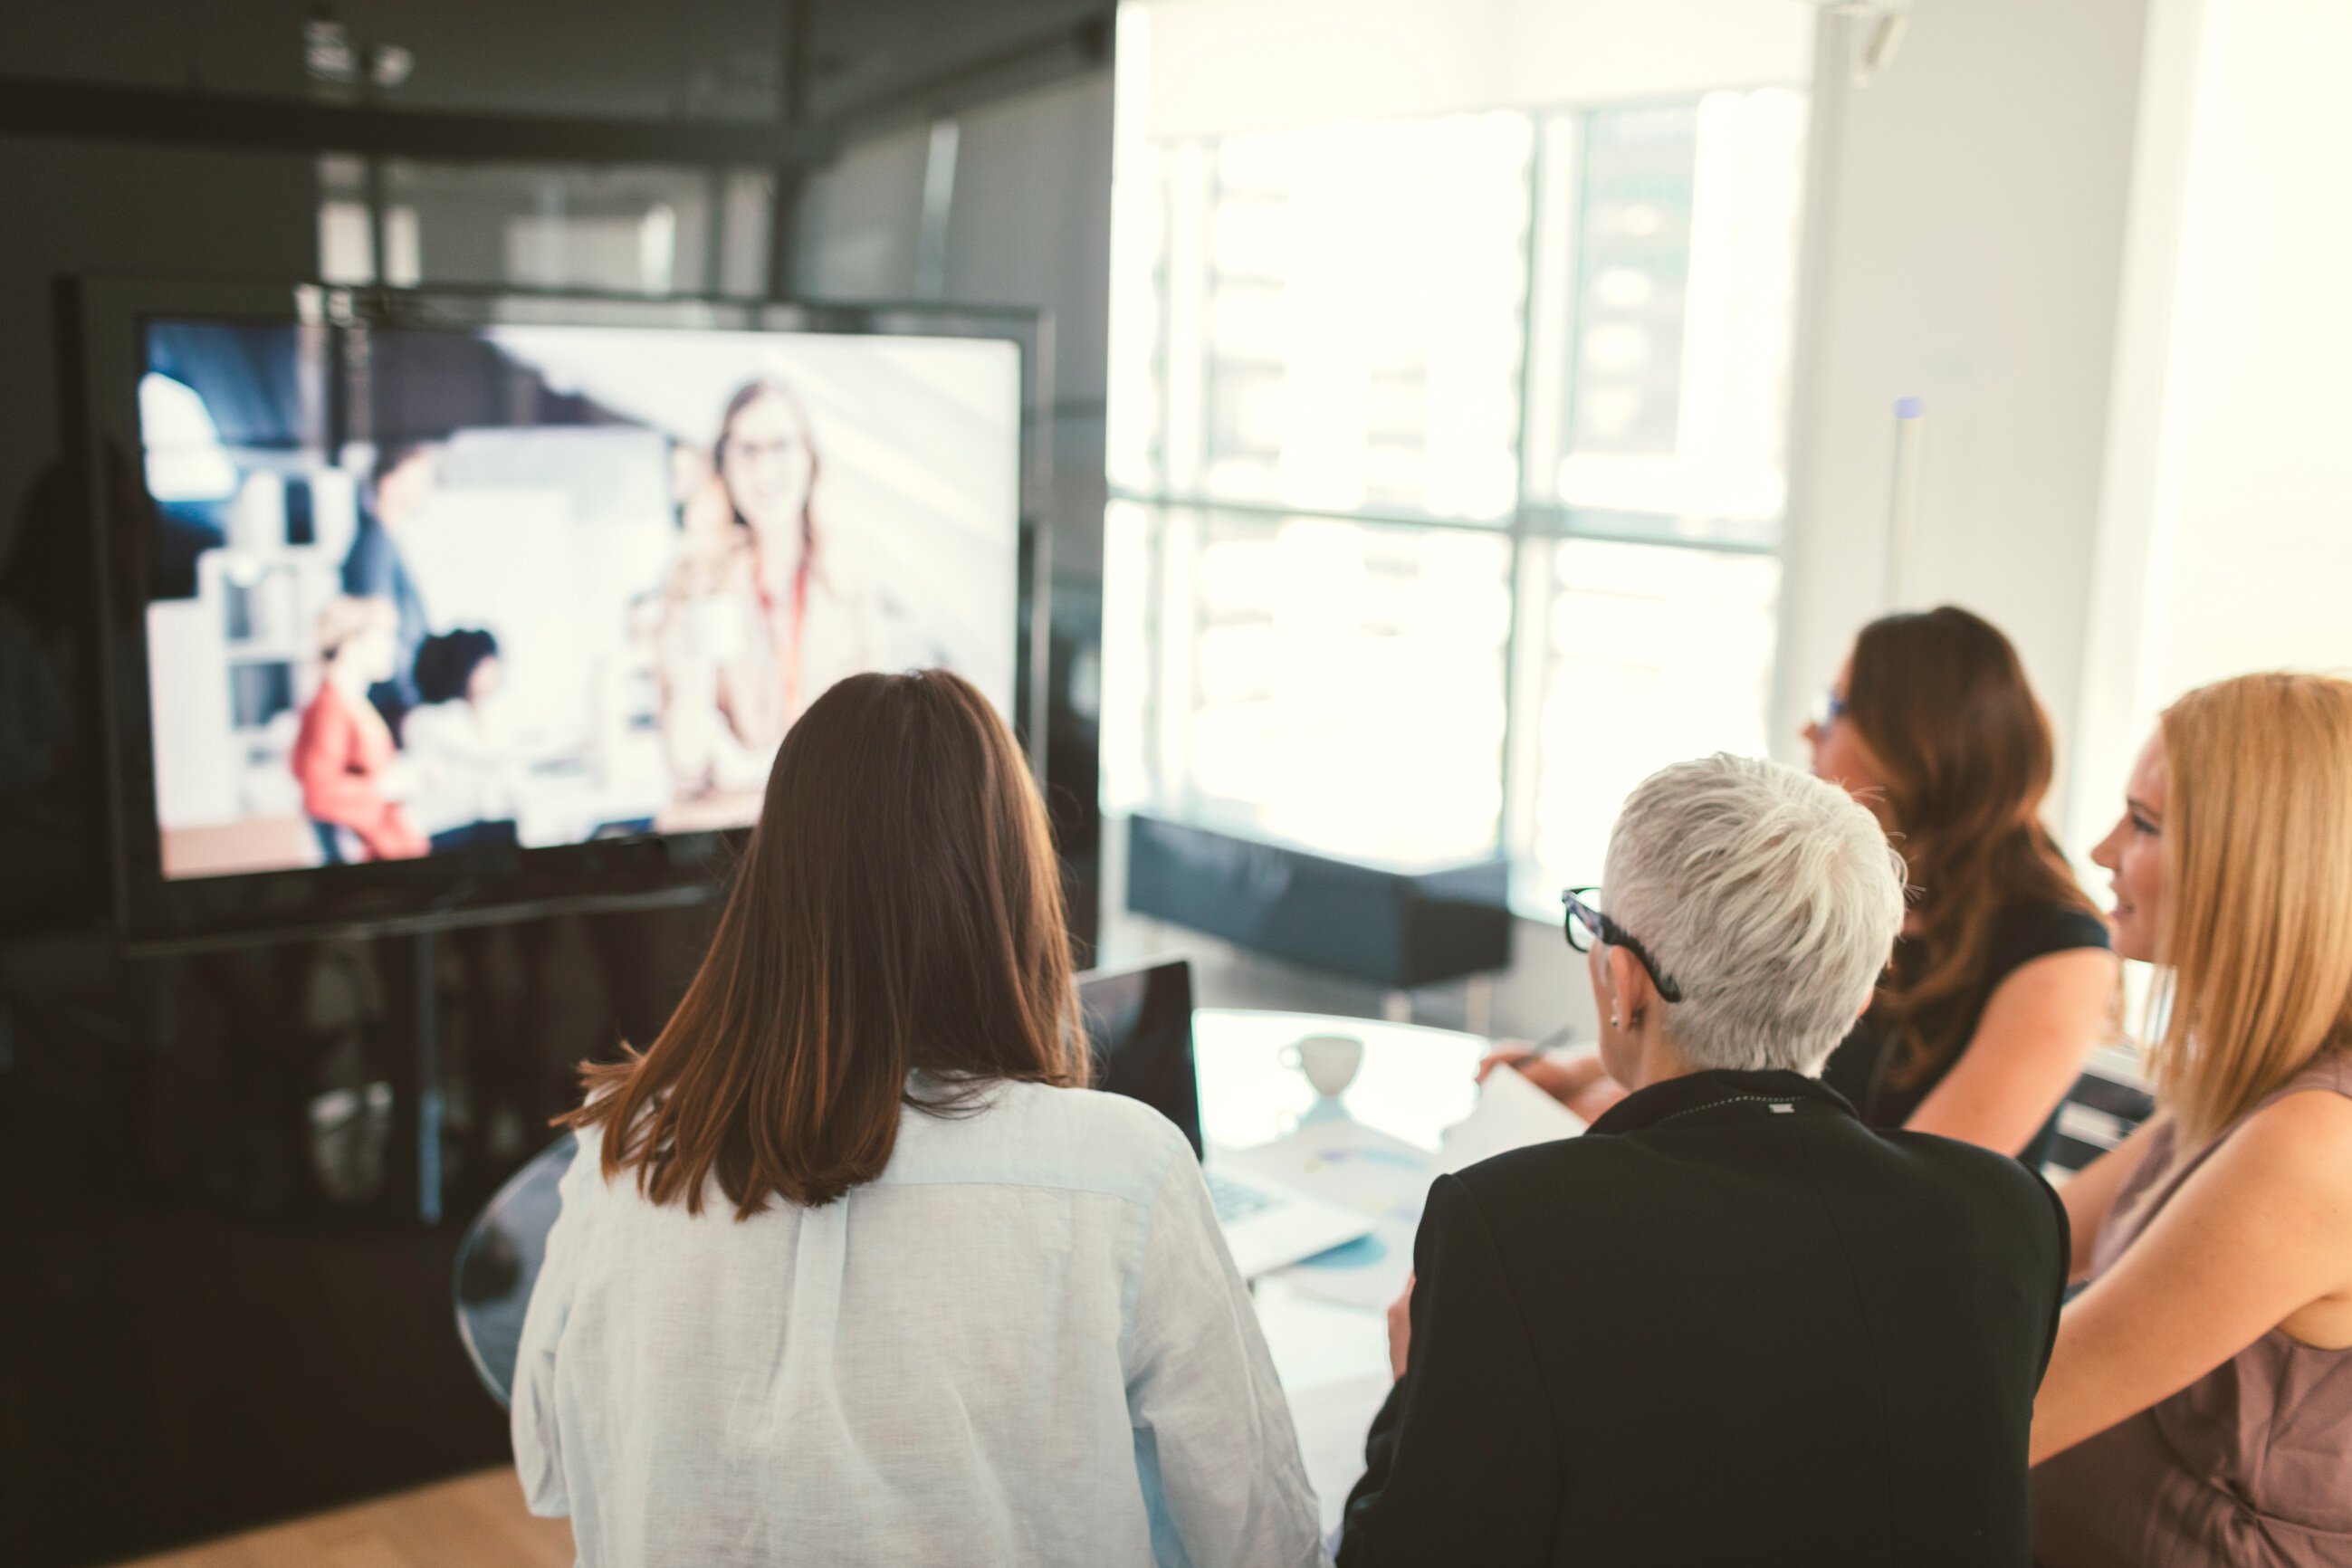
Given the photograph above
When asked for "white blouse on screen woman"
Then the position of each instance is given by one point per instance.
(1024, 1343)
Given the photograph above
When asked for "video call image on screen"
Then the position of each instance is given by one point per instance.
(565, 582)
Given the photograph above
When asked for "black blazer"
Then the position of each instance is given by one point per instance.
(1728, 1325)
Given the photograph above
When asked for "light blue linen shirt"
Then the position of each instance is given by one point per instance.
(1024, 1344)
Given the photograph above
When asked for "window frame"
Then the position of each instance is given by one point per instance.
(1553, 269)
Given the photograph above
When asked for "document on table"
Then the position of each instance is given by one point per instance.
(1346, 1162)
(1357, 1167)
(1512, 1113)
(1343, 1161)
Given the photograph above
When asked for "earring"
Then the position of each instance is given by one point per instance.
(1615, 1021)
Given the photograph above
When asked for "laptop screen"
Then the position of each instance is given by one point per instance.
(1140, 1023)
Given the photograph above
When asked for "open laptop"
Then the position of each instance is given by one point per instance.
(1140, 1023)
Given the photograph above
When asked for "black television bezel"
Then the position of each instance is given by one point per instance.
(642, 871)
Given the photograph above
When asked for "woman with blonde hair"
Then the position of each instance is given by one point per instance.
(2197, 1408)
(759, 615)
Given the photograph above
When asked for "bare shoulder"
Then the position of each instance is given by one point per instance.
(2098, 960)
(2308, 1132)
(2070, 967)
(2284, 1176)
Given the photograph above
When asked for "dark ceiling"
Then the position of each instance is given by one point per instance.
(705, 61)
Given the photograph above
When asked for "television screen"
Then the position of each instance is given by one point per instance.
(421, 590)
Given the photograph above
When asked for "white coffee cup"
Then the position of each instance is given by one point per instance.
(1330, 1061)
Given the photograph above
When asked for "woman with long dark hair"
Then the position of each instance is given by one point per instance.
(850, 1269)
(2003, 982)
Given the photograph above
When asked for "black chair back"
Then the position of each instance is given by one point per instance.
(499, 1262)
(2106, 1106)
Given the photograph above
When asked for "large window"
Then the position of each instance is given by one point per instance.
(1449, 458)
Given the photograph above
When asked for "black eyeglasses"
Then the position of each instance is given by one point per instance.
(1600, 927)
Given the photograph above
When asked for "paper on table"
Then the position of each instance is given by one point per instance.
(1342, 1162)
(1369, 1272)
(1512, 1113)
(1357, 1167)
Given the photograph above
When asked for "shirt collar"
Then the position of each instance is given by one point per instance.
(1699, 1091)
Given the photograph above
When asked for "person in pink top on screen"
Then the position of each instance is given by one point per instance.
(344, 750)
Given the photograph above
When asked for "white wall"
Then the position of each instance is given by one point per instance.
(1315, 61)
(1966, 245)
(2250, 564)
(2259, 483)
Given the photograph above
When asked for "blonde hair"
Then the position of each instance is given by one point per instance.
(2257, 944)
(347, 618)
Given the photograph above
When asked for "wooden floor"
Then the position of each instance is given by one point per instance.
(474, 1521)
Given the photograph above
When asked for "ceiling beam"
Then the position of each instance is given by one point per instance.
(35, 107)
(1040, 60)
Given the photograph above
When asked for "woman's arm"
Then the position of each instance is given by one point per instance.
(2039, 1027)
(2090, 1193)
(1214, 1444)
(2258, 1238)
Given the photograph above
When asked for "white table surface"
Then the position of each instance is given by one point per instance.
(1415, 1082)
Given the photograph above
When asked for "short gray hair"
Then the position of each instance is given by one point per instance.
(1769, 896)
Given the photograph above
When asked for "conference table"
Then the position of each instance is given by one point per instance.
(1332, 1356)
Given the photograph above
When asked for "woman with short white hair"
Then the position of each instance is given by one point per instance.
(1730, 1323)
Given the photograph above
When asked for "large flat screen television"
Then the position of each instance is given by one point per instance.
(419, 601)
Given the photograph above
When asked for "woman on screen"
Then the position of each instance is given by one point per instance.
(400, 487)
(344, 754)
(849, 1269)
(467, 762)
(759, 617)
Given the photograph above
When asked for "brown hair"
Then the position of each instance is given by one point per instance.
(2257, 944)
(1940, 700)
(899, 911)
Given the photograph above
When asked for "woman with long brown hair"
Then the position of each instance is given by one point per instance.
(2003, 982)
(850, 1269)
(2197, 1408)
